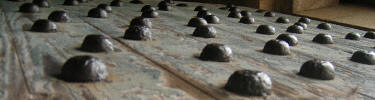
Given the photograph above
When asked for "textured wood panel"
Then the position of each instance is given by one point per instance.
(167, 66)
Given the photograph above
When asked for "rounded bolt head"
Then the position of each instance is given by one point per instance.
(295, 29)
(364, 57)
(212, 19)
(266, 29)
(29, 8)
(43, 25)
(303, 25)
(290, 39)
(203, 13)
(282, 20)
(318, 69)
(205, 31)
(141, 21)
(182, 5)
(245, 13)
(136, 2)
(323, 39)
(234, 14)
(324, 26)
(116, 3)
(97, 13)
(269, 14)
(234, 9)
(106, 7)
(196, 22)
(71, 2)
(247, 20)
(84, 69)
(97, 43)
(200, 8)
(150, 14)
(138, 33)
(41, 3)
(305, 20)
(353, 36)
(148, 8)
(229, 5)
(370, 35)
(248, 82)
(216, 52)
(59, 16)
(164, 6)
(277, 47)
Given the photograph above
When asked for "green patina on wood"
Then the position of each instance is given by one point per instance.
(167, 66)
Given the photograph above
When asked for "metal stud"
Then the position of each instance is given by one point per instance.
(216, 52)
(97, 43)
(205, 31)
(323, 39)
(364, 57)
(43, 25)
(318, 69)
(266, 29)
(29, 8)
(277, 47)
(59, 16)
(248, 82)
(138, 33)
(84, 69)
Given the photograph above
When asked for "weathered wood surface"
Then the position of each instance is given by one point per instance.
(166, 67)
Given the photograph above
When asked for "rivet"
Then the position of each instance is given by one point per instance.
(323, 39)
(203, 13)
(136, 2)
(324, 26)
(148, 8)
(235, 9)
(364, 57)
(97, 43)
(290, 39)
(212, 19)
(29, 8)
(41, 3)
(59, 16)
(234, 14)
(138, 33)
(150, 14)
(84, 69)
(182, 5)
(216, 52)
(353, 36)
(71, 2)
(229, 5)
(43, 25)
(249, 82)
(97, 13)
(303, 25)
(247, 20)
(269, 14)
(305, 20)
(164, 6)
(318, 69)
(141, 21)
(200, 8)
(282, 20)
(106, 7)
(277, 47)
(295, 29)
(116, 3)
(266, 29)
(245, 13)
(205, 31)
(196, 22)
(370, 35)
